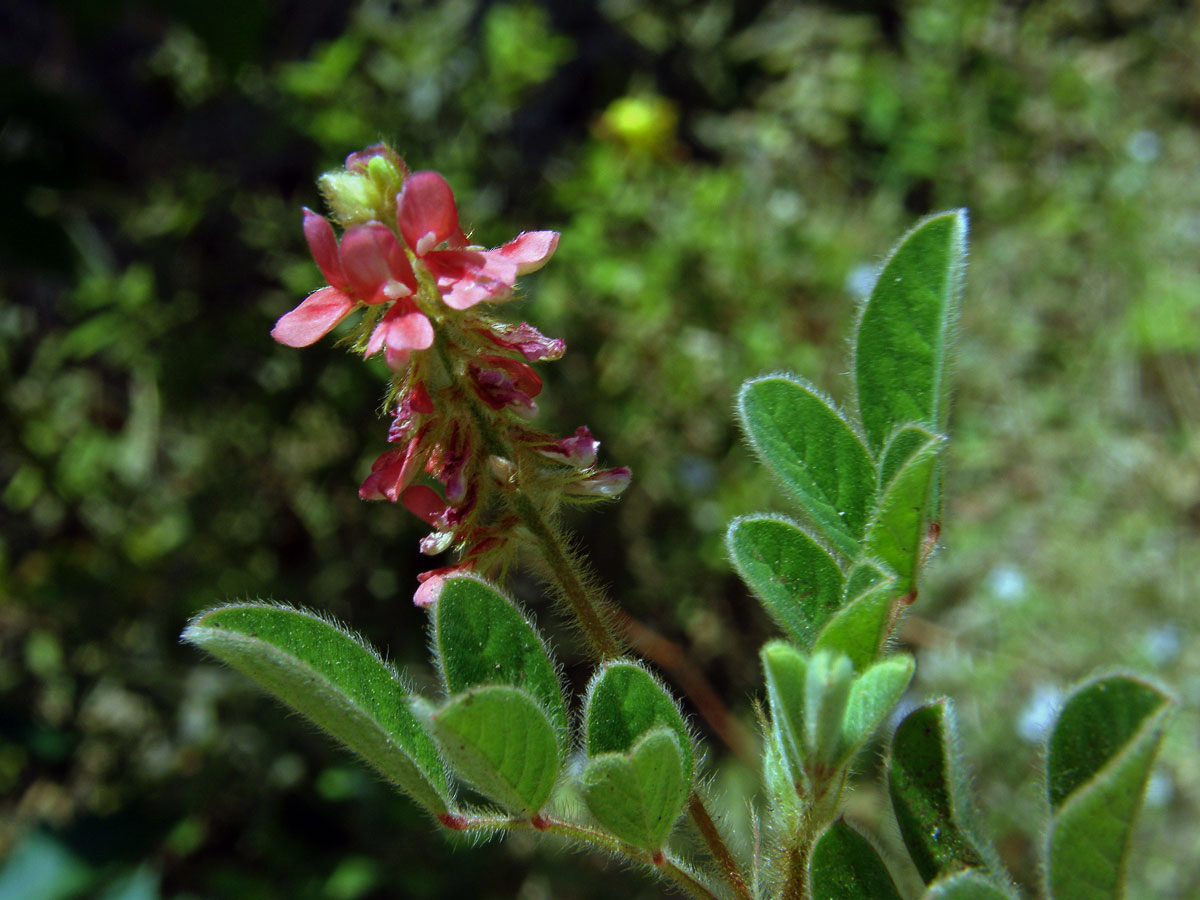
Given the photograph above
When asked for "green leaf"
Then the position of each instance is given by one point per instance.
(334, 679)
(897, 531)
(863, 575)
(904, 332)
(827, 686)
(904, 444)
(928, 789)
(968, 885)
(638, 796)
(1096, 722)
(785, 670)
(846, 867)
(860, 628)
(796, 579)
(499, 739)
(811, 447)
(624, 701)
(1101, 751)
(872, 697)
(480, 638)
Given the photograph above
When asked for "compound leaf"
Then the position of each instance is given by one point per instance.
(481, 638)
(639, 795)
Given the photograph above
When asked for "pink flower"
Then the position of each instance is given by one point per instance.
(370, 266)
(432, 583)
(607, 484)
(402, 328)
(413, 402)
(450, 465)
(526, 340)
(394, 470)
(579, 450)
(424, 503)
(428, 218)
(504, 382)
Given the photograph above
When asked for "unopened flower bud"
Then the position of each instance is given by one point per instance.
(607, 484)
(578, 450)
(436, 542)
(366, 188)
(502, 469)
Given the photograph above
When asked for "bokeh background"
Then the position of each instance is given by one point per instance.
(727, 176)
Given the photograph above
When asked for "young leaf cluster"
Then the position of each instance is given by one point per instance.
(836, 580)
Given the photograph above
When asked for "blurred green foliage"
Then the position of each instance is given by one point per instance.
(726, 176)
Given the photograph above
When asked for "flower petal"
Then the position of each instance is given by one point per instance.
(324, 247)
(432, 583)
(579, 450)
(394, 471)
(367, 251)
(426, 212)
(526, 340)
(424, 503)
(607, 484)
(530, 250)
(312, 319)
(410, 331)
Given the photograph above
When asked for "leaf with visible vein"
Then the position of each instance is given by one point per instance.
(1101, 752)
(904, 331)
(814, 451)
(334, 679)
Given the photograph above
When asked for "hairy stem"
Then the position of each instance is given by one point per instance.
(565, 570)
(717, 846)
(822, 810)
(593, 839)
(568, 574)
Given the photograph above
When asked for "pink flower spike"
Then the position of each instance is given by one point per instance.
(607, 484)
(424, 503)
(314, 318)
(579, 450)
(376, 268)
(528, 341)
(324, 247)
(529, 250)
(426, 213)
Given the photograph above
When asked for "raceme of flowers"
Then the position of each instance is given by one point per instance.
(463, 389)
